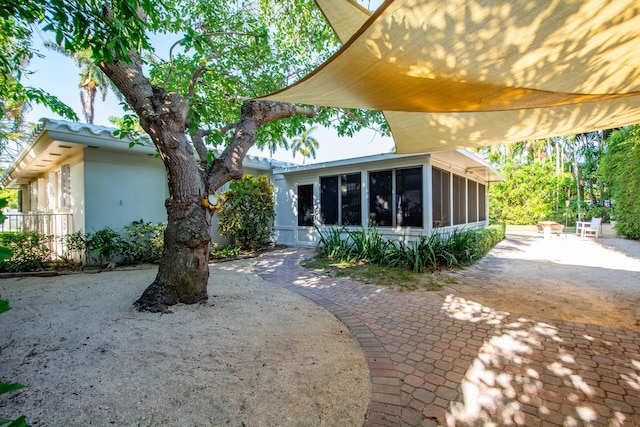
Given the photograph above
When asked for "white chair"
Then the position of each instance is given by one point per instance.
(592, 228)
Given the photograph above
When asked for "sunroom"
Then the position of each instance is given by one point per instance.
(402, 196)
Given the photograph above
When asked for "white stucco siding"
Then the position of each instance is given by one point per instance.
(121, 188)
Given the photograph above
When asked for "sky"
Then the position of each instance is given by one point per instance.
(57, 74)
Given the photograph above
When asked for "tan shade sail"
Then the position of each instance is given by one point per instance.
(461, 73)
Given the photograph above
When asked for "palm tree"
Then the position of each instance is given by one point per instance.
(305, 144)
(274, 144)
(92, 80)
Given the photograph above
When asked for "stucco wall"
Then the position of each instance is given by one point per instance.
(122, 188)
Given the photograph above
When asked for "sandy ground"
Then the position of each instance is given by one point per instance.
(566, 277)
(255, 355)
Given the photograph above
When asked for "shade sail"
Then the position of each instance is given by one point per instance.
(459, 73)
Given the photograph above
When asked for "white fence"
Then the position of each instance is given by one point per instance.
(47, 224)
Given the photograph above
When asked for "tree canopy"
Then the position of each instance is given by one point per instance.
(200, 95)
(16, 50)
(223, 54)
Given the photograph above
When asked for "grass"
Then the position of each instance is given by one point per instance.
(386, 277)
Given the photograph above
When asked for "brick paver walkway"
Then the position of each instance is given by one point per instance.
(443, 360)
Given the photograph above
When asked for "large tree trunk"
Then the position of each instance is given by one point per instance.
(184, 267)
(183, 273)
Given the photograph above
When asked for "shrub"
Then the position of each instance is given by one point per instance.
(247, 212)
(105, 245)
(485, 239)
(30, 251)
(140, 242)
(144, 242)
(438, 250)
(598, 212)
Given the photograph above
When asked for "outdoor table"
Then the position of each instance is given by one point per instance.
(547, 228)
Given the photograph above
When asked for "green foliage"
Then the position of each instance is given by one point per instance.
(30, 251)
(598, 212)
(145, 241)
(140, 242)
(527, 194)
(5, 252)
(4, 307)
(74, 243)
(247, 212)
(105, 245)
(225, 252)
(621, 168)
(11, 198)
(9, 387)
(16, 19)
(433, 252)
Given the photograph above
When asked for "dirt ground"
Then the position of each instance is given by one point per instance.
(565, 277)
(255, 355)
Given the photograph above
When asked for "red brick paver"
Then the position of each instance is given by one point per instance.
(454, 362)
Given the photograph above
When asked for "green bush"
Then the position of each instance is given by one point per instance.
(485, 239)
(144, 242)
(598, 212)
(621, 167)
(105, 245)
(140, 242)
(438, 250)
(30, 251)
(247, 212)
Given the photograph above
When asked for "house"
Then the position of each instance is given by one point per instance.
(74, 176)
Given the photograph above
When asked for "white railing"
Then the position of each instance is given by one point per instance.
(48, 224)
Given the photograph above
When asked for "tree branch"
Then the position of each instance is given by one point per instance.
(254, 114)
(194, 79)
(197, 139)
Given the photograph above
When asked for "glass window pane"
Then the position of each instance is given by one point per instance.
(329, 200)
(459, 200)
(351, 199)
(441, 200)
(380, 199)
(472, 205)
(482, 203)
(305, 205)
(409, 197)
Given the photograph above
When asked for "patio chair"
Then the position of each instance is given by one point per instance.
(592, 228)
(557, 229)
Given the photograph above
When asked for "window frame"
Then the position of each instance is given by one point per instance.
(444, 219)
(342, 182)
(394, 196)
(300, 218)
